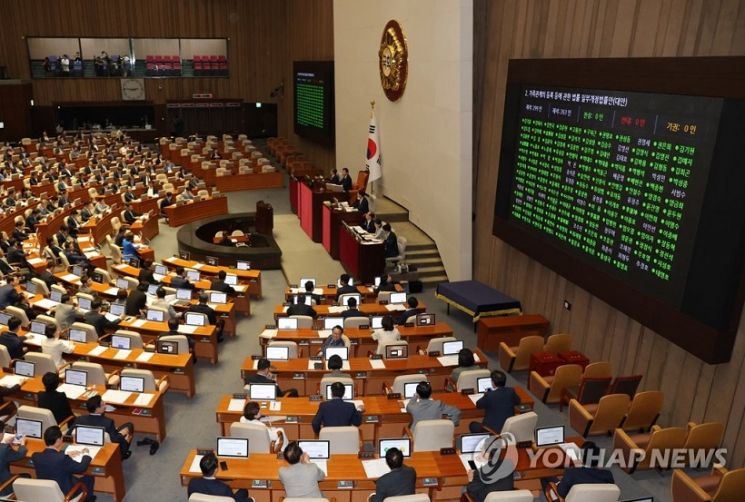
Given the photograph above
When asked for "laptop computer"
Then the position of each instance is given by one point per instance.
(554, 436)
(402, 444)
(286, 323)
(243, 265)
(122, 283)
(152, 289)
(331, 322)
(25, 368)
(166, 347)
(89, 435)
(232, 447)
(4, 318)
(425, 319)
(155, 315)
(231, 279)
(192, 275)
(132, 384)
(76, 377)
(342, 352)
(160, 270)
(55, 296)
(38, 327)
(121, 342)
(28, 427)
(277, 353)
(84, 303)
(410, 389)
(376, 322)
(183, 297)
(195, 319)
(117, 309)
(220, 298)
(483, 384)
(452, 348)
(262, 392)
(77, 335)
(397, 298)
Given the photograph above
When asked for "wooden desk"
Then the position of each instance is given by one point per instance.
(415, 336)
(329, 293)
(509, 329)
(253, 277)
(332, 226)
(148, 228)
(362, 260)
(367, 309)
(295, 373)
(196, 210)
(105, 467)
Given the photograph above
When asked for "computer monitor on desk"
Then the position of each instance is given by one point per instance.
(155, 315)
(286, 323)
(219, 298)
(549, 436)
(342, 352)
(452, 348)
(243, 265)
(89, 435)
(25, 368)
(397, 298)
(402, 444)
(304, 280)
(277, 353)
(132, 384)
(348, 392)
(232, 447)
(331, 322)
(161, 270)
(78, 335)
(122, 283)
(473, 443)
(76, 377)
(121, 342)
(29, 428)
(192, 275)
(231, 279)
(262, 392)
(397, 351)
(318, 450)
(195, 319)
(376, 322)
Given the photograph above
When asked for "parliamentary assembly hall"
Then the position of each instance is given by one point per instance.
(372, 250)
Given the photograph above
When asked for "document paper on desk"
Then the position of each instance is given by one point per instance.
(144, 399)
(448, 360)
(71, 391)
(92, 451)
(138, 323)
(324, 333)
(236, 404)
(395, 307)
(116, 396)
(268, 333)
(111, 317)
(145, 357)
(375, 468)
(187, 330)
(122, 354)
(70, 278)
(377, 364)
(475, 397)
(97, 351)
(45, 304)
(336, 309)
(12, 380)
(194, 467)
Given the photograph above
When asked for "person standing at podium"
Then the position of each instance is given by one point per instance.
(346, 180)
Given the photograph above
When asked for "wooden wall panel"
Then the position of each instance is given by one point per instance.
(507, 29)
(15, 109)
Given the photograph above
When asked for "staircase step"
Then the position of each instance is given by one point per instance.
(434, 279)
(424, 262)
(414, 254)
(431, 271)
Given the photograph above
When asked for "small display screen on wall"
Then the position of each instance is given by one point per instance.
(314, 100)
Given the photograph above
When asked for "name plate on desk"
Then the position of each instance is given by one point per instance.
(298, 376)
(345, 485)
(291, 419)
(260, 483)
(429, 482)
(372, 419)
(360, 374)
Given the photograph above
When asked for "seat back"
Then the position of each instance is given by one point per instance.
(528, 345)
(600, 369)
(431, 435)
(33, 413)
(48, 320)
(625, 385)
(467, 379)
(510, 496)
(592, 389)
(257, 435)
(146, 374)
(303, 321)
(644, 410)
(521, 426)
(344, 297)
(706, 436)
(609, 414)
(355, 322)
(593, 493)
(384, 296)
(400, 382)
(182, 343)
(344, 440)
(417, 497)
(662, 440)
(731, 487)
(304, 499)
(135, 339)
(44, 363)
(328, 380)
(4, 357)
(41, 286)
(20, 314)
(558, 343)
(435, 344)
(90, 331)
(38, 489)
(567, 375)
(202, 497)
(96, 373)
(292, 346)
(104, 274)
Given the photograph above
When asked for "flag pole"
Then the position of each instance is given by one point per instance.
(372, 112)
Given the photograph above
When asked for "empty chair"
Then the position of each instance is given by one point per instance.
(292, 347)
(201, 497)
(258, 437)
(590, 391)
(653, 445)
(182, 343)
(435, 344)
(384, 296)
(344, 440)
(47, 490)
(589, 493)
(96, 374)
(644, 410)
(518, 358)
(599, 369)
(549, 388)
(431, 435)
(400, 382)
(135, 339)
(355, 322)
(90, 331)
(303, 321)
(41, 286)
(601, 418)
(151, 384)
(20, 314)
(706, 436)
(44, 363)
(467, 379)
(521, 426)
(625, 385)
(720, 485)
(558, 343)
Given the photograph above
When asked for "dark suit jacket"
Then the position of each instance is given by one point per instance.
(136, 301)
(345, 289)
(408, 313)
(256, 378)
(107, 424)
(5, 267)
(179, 282)
(146, 276)
(346, 183)
(369, 226)
(352, 313)
(55, 465)
(498, 406)
(130, 217)
(479, 490)
(336, 413)
(390, 246)
(219, 285)
(396, 483)
(13, 344)
(56, 402)
(8, 455)
(582, 475)
(210, 487)
(364, 206)
(302, 309)
(98, 321)
(204, 309)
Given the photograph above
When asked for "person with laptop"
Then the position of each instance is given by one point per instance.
(54, 400)
(400, 481)
(95, 318)
(55, 347)
(352, 310)
(335, 339)
(53, 464)
(412, 310)
(209, 485)
(219, 284)
(498, 404)
(137, 300)
(203, 308)
(179, 281)
(9, 454)
(466, 362)
(387, 334)
(421, 407)
(121, 435)
(344, 286)
(302, 308)
(162, 303)
(301, 477)
(12, 341)
(252, 415)
(336, 412)
(589, 472)
(264, 375)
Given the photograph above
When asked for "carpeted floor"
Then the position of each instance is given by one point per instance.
(191, 422)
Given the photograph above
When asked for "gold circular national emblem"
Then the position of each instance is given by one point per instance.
(393, 59)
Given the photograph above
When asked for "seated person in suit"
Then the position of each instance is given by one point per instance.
(205, 309)
(421, 407)
(387, 334)
(352, 310)
(346, 180)
(52, 399)
(300, 308)
(208, 485)
(264, 375)
(95, 318)
(19, 232)
(400, 481)
(390, 242)
(179, 281)
(413, 309)
(309, 288)
(130, 216)
(498, 404)
(12, 341)
(10, 454)
(301, 477)
(344, 286)
(168, 200)
(362, 204)
(219, 284)
(252, 415)
(137, 299)
(121, 435)
(335, 179)
(386, 284)
(337, 412)
(369, 223)
(52, 464)
(466, 361)
(146, 273)
(333, 340)
(587, 473)
(492, 476)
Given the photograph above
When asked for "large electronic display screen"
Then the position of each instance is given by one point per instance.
(629, 194)
(314, 100)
